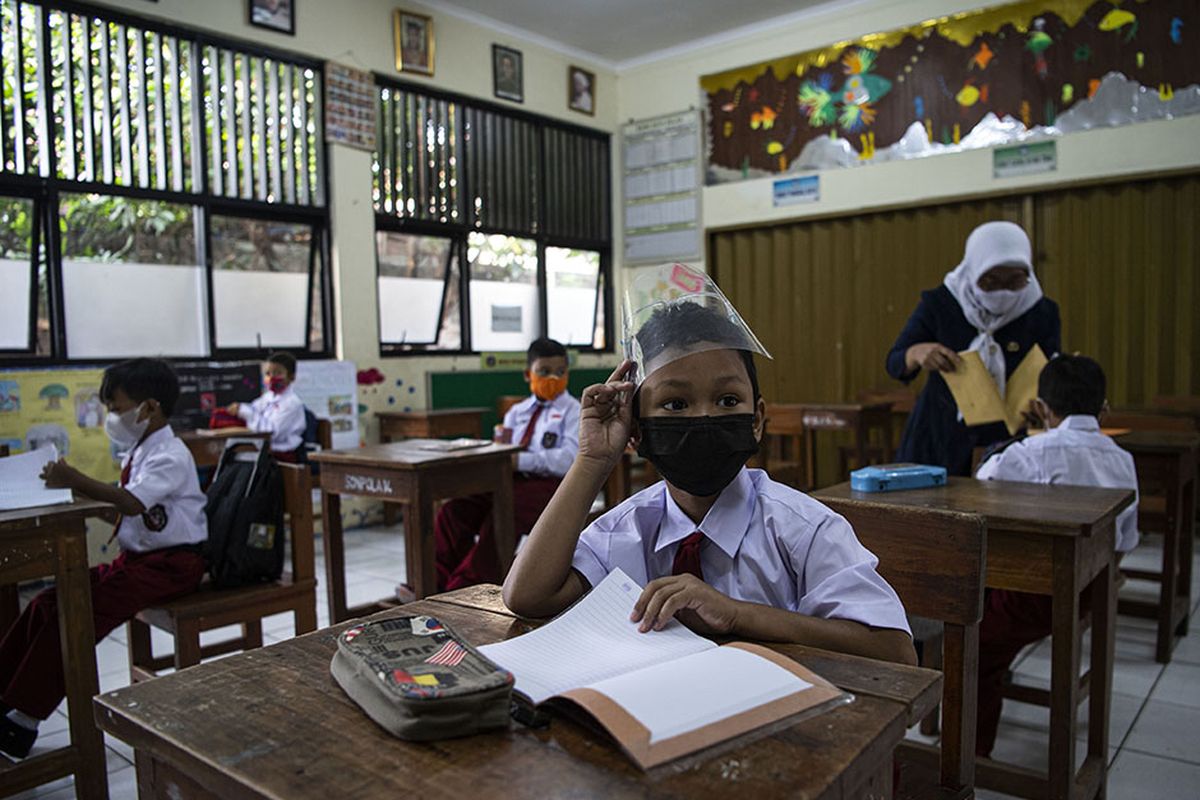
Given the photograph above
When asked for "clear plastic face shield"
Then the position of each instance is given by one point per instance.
(675, 311)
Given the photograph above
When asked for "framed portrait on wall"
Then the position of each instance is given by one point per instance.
(508, 75)
(581, 90)
(275, 15)
(414, 42)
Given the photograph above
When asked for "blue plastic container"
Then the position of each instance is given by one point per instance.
(894, 477)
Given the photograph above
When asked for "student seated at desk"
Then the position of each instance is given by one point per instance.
(279, 411)
(724, 548)
(546, 425)
(1071, 452)
(161, 531)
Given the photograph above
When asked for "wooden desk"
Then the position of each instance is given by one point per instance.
(206, 446)
(431, 424)
(1057, 541)
(1166, 462)
(276, 725)
(52, 540)
(401, 472)
(861, 418)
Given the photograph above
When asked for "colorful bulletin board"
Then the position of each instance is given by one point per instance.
(60, 407)
(1051, 66)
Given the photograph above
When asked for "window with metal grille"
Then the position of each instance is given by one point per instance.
(493, 226)
(208, 145)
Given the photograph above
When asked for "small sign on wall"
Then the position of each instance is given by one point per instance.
(349, 106)
(1024, 159)
(506, 319)
(804, 189)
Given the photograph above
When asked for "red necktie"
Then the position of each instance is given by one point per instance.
(527, 436)
(687, 557)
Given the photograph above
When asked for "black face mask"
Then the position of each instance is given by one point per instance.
(700, 455)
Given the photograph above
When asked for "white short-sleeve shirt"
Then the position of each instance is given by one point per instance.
(555, 440)
(765, 543)
(162, 476)
(281, 415)
(1075, 453)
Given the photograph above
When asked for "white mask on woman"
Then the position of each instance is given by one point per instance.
(125, 430)
(998, 301)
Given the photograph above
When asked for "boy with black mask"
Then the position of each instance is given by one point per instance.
(724, 549)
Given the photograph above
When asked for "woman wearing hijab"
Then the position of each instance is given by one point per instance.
(991, 303)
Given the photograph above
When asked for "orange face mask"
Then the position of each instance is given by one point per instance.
(547, 387)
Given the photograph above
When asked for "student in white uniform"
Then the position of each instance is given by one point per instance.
(1072, 452)
(161, 532)
(279, 410)
(722, 547)
(546, 426)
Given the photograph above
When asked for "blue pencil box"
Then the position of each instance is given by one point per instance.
(894, 477)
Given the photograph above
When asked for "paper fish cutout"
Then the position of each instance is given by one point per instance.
(764, 118)
(970, 94)
(1117, 19)
(982, 57)
(1176, 30)
(1037, 42)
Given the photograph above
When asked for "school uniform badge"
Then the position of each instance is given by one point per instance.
(155, 518)
(549, 439)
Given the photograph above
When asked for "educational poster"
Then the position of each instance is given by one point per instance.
(60, 407)
(350, 112)
(329, 389)
(1001, 75)
(205, 386)
(661, 188)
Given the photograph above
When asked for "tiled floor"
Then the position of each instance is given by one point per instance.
(1154, 753)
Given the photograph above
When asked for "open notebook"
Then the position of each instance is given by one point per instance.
(21, 485)
(662, 694)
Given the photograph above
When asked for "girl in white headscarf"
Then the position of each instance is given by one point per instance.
(992, 303)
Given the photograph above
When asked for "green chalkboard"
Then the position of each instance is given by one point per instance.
(466, 389)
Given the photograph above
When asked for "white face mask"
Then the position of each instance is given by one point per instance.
(125, 430)
(998, 302)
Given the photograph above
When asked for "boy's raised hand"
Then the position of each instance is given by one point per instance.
(606, 418)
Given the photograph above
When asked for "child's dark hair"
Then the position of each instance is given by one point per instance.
(1072, 385)
(142, 379)
(544, 348)
(683, 324)
(285, 360)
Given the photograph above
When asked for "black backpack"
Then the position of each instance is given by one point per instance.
(245, 516)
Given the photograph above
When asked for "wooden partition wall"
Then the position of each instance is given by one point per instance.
(827, 297)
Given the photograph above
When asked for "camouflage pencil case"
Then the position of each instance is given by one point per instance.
(419, 680)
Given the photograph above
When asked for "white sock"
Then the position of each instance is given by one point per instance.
(24, 720)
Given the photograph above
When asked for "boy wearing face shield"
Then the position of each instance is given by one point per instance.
(161, 530)
(723, 548)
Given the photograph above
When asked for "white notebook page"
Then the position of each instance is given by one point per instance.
(699, 689)
(21, 485)
(591, 641)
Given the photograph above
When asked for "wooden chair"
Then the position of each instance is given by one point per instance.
(506, 401)
(10, 602)
(782, 451)
(935, 561)
(210, 607)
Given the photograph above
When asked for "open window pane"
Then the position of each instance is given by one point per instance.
(412, 286)
(131, 282)
(16, 272)
(572, 289)
(505, 310)
(260, 282)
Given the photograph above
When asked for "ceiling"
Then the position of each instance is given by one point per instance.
(621, 31)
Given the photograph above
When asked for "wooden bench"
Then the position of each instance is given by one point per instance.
(782, 451)
(210, 607)
(934, 560)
